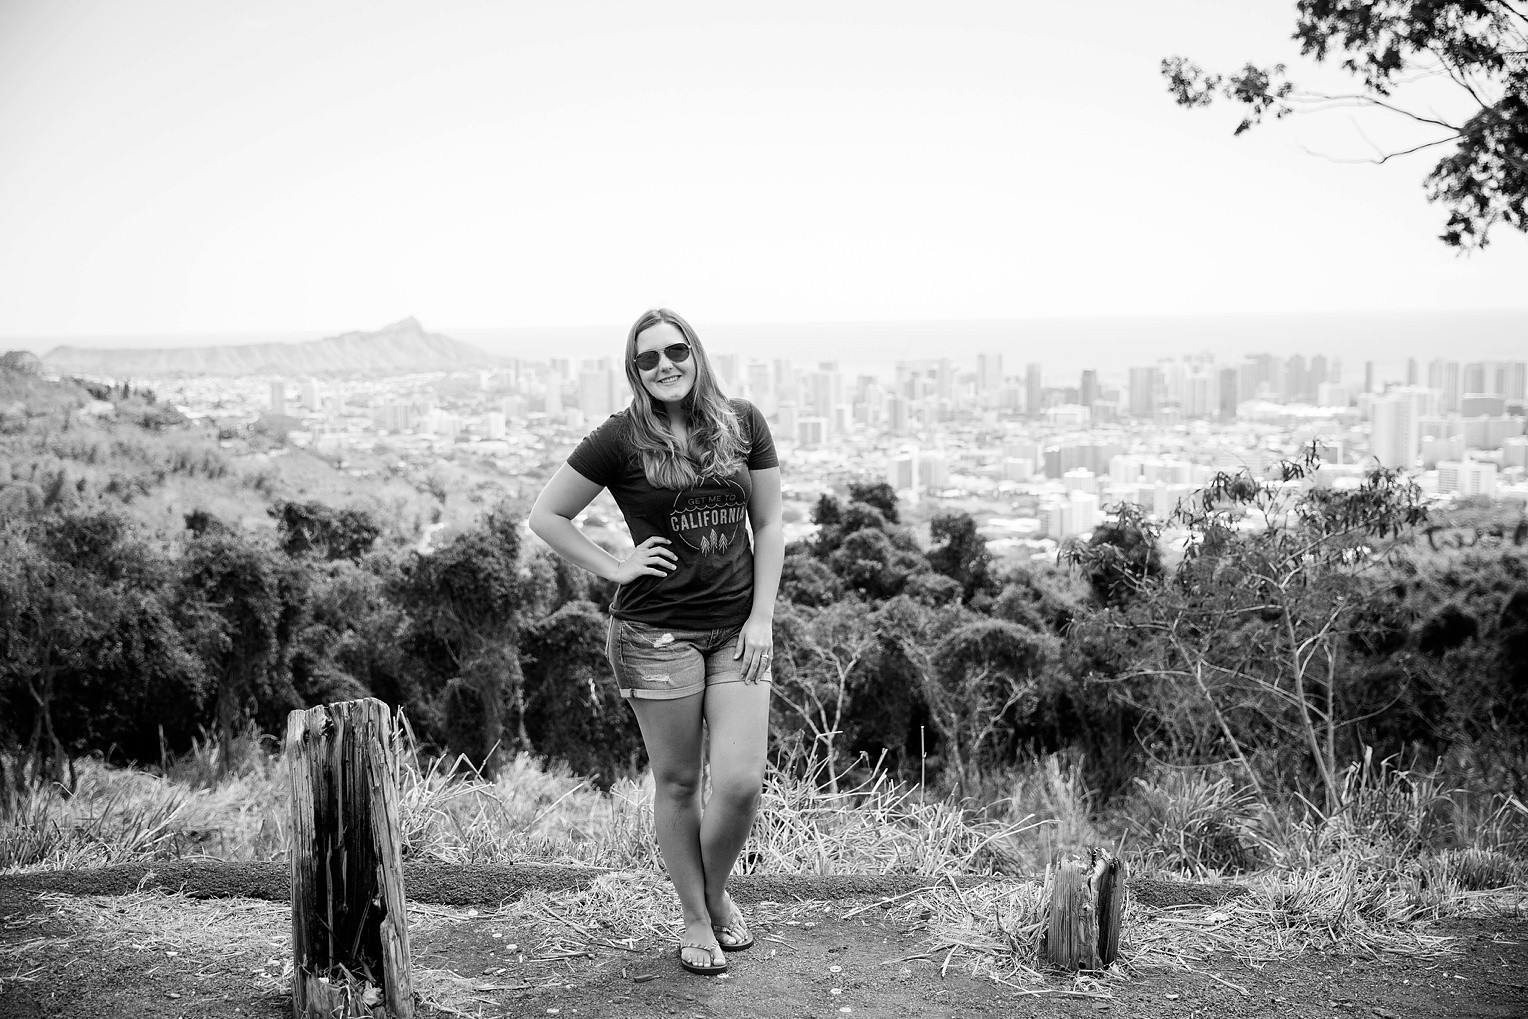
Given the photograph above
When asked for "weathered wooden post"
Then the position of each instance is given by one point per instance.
(1087, 904)
(350, 939)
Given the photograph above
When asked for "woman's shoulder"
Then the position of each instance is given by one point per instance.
(608, 442)
(744, 409)
(616, 426)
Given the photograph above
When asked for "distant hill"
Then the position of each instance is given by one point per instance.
(399, 348)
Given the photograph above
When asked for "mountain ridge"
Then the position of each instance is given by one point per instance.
(403, 346)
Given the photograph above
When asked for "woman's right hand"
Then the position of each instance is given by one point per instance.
(646, 560)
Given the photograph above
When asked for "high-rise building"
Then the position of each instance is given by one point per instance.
(1445, 378)
(278, 397)
(1333, 394)
(1515, 381)
(1412, 377)
(393, 417)
(1491, 432)
(811, 432)
(730, 373)
(596, 394)
(1174, 379)
(1466, 477)
(1230, 389)
(1144, 386)
(1476, 377)
(1368, 376)
(1260, 377)
(902, 470)
(1396, 439)
(989, 373)
(1087, 393)
(1199, 396)
(934, 470)
(1514, 452)
(1295, 377)
(1034, 392)
(784, 381)
(1482, 405)
(821, 392)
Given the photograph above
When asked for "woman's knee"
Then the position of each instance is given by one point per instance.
(738, 789)
(676, 783)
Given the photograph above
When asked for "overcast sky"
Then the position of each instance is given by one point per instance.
(188, 167)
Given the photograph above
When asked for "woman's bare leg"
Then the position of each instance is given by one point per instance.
(671, 729)
(737, 715)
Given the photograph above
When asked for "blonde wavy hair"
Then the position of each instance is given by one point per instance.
(716, 438)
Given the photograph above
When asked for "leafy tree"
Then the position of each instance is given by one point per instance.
(1248, 639)
(95, 655)
(820, 655)
(870, 563)
(878, 494)
(50, 616)
(1041, 598)
(573, 710)
(960, 553)
(806, 580)
(324, 531)
(1477, 45)
(932, 589)
(1121, 555)
(351, 603)
(467, 602)
(982, 680)
(827, 511)
(233, 594)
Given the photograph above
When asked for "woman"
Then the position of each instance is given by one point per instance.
(691, 623)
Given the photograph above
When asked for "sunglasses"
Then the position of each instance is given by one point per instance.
(675, 352)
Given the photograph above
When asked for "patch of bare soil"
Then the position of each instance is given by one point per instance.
(63, 956)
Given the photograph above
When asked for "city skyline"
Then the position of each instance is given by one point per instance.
(1035, 467)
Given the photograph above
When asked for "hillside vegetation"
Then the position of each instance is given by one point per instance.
(1290, 669)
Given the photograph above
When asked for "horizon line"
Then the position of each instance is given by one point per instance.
(322, 333)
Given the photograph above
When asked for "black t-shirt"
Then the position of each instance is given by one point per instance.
(712, 585)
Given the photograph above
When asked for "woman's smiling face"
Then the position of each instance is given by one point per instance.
(669, 382)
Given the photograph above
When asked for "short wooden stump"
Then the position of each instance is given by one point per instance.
(350, 939)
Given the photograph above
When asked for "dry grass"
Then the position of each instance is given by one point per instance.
(1407, 850)
(447, 812)
(993, 930)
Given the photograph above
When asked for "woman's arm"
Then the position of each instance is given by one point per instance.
(768, 559)
(551, 520)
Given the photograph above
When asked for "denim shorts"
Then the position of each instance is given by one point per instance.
(663, 663)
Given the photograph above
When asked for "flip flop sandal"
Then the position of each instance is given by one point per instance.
(710, 950)
(730, 930)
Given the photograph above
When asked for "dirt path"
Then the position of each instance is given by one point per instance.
(62, 958)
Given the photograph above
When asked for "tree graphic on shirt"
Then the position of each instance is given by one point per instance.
(714, 543)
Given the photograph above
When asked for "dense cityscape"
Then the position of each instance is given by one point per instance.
(1034, 458)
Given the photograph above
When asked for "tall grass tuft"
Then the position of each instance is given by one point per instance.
(1194, 823)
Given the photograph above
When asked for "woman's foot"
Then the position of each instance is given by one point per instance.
(700, 950)
(729, 926)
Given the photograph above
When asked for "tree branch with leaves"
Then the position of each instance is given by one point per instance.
(1479, 47)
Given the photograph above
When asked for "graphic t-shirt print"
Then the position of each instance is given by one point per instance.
(710, 519)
